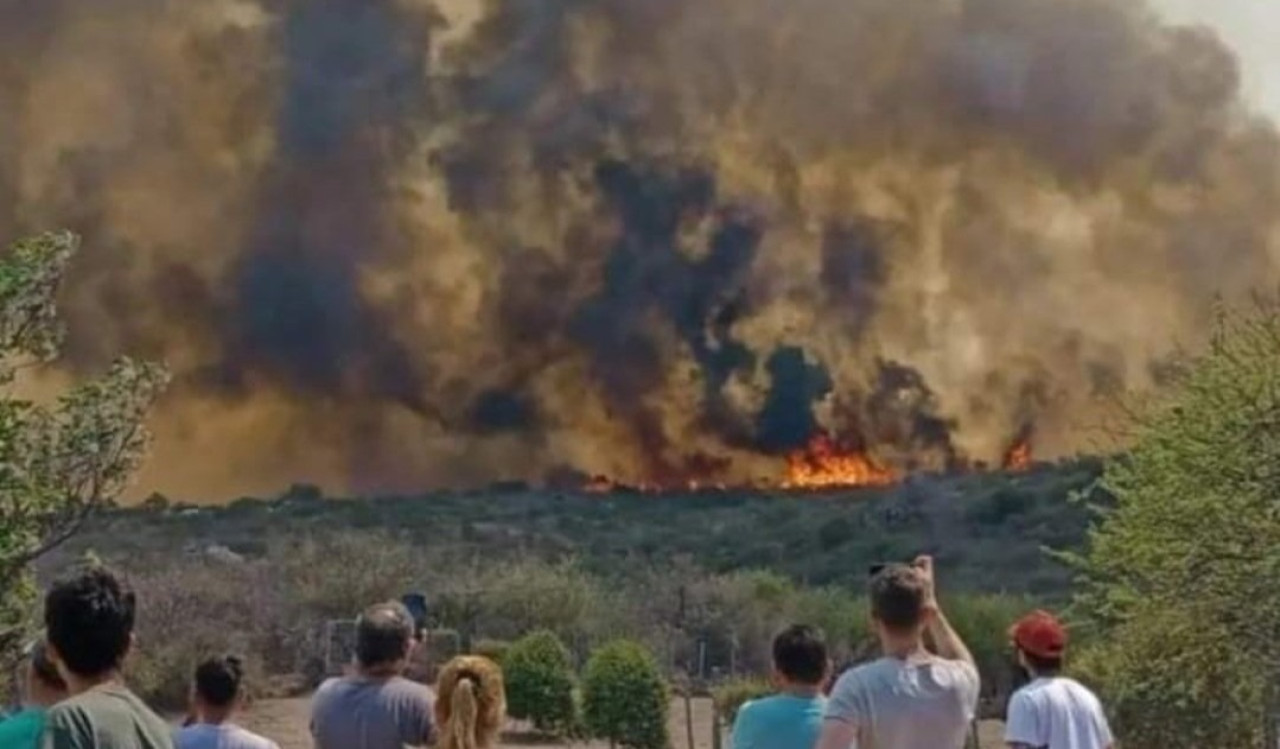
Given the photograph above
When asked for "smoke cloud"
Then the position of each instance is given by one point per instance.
(392, 244)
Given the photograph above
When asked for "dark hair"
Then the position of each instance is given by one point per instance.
(1042, 666)
(383, 633)
(88, 619)
(43, 668)
(800, 654)
(898, 597)
(218, 680)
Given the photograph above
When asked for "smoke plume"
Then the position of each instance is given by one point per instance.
(390, 244)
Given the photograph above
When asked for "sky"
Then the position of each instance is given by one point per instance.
(1251, 27)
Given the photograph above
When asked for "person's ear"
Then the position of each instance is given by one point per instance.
(58, 664)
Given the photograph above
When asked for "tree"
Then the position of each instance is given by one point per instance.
(539, 680)
(58, 462)
(624, 698)
(1178, 581)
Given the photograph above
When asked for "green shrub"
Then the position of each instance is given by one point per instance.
(624, 697)
(732, 695)
(494, 650)
(538, 673)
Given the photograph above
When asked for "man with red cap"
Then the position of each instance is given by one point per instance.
(1052, 712)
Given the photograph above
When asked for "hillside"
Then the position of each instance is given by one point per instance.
(988, 531)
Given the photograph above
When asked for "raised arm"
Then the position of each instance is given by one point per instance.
(946, 641)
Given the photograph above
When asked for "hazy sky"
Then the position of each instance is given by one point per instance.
(1252, 27)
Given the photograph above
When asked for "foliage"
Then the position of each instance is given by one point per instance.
(983, 623)
(539, 680)
(624, 698)
(732, 695)
(494, 650)
(58, 462)
(1177, 586)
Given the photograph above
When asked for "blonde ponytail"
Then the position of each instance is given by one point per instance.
(464, 712)
(471, 703)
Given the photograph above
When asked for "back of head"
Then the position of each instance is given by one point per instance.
(89, 621)
(219, 681)
(898, 596)
(471, 703)
(383, 634)
(800, 655)
(1042, 640)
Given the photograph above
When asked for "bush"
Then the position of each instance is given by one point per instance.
(732, 695)
(494, 650)
(539, 680)
(624, 697)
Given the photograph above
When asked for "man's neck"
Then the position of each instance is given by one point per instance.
(213, 716)
(379, 671)
(77, 685)
(803, 691)
(903, 647)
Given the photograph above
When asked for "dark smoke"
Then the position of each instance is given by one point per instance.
(394, 243)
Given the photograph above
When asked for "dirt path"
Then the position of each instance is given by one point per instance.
(285, 721)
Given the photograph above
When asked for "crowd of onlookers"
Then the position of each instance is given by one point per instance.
(921, 693)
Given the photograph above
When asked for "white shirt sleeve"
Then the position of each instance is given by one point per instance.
(848, 701)
(1024, 725)
(970, 687)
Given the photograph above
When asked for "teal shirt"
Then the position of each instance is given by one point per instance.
(779, 722)
(22, 730)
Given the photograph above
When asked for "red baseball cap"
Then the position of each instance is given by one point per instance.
(1040, 634)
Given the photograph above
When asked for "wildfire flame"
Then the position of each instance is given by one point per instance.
(1018, 458)
(823, 464)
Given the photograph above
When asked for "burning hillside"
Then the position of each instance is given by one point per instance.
(387, 244)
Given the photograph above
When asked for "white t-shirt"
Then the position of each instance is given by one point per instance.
(924, 703)
(1057, 713)
(225, 736)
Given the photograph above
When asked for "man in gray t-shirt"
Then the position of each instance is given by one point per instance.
(375, 708)
(911, 698)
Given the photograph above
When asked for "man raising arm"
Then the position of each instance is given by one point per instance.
(910, 698)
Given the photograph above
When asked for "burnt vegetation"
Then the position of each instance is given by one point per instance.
(988, 531)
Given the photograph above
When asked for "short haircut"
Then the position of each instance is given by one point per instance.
(898, 597)
(218, 680)
(43, 668)
(88, 619)
(800, 654)
(383, 633)
(1041, 665)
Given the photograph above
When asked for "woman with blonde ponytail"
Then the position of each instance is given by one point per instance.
(471, 703)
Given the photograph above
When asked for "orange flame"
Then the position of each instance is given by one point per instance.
(1018, 458)
(824, 465)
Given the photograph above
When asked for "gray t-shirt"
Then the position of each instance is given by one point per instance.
(924, 703)
(355, 712)
(224, 736)
(105, 717)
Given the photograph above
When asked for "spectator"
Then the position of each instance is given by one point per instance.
(910, 698)
(217, 694)
(376, 707)
(791, 719)
(472, 704)
(1052, 712)
(89, 623)
(42, 687)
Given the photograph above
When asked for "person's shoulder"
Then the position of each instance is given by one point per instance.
(957, 668)
(754, 708)
(247, 739)
(1082, 693)
(410, 688)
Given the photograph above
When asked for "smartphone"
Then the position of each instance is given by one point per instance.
(416, 603)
